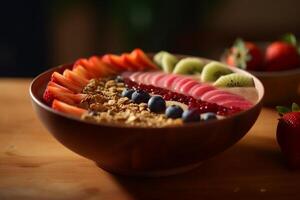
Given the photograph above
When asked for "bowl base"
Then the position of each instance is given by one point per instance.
(157, 173)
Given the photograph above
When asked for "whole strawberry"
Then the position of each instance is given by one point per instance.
(245, 55)
(282, 55)
(288, 134)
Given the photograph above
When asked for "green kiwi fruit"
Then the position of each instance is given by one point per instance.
(158, 58)
(189, 65)
(234, 80)
(213, 70)
(168, 61)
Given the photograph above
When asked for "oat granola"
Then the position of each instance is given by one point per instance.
(105, 104)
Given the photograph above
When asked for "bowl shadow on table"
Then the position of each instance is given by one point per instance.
(225, 173)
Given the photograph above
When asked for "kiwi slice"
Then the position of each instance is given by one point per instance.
(189, 66)
(234, 80)
(168, 61)
(158, 58)
(213, 70)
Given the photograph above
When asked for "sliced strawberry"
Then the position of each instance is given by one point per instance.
(109, 61)
(57, 93)
(130, 61)
(185, 88)
(76, 78)
(142, 58)
(106, 69)
(117, 61)
(68, 109)
(60, 79)
(212, 93)
(81, 71)
(90, 67)
(64, 89)
(199, 90)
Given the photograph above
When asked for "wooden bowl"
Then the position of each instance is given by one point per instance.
(140, 151)
(281, 88)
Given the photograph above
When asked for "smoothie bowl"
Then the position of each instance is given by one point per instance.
(147, 114)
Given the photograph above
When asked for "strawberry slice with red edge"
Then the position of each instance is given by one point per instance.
(129, 60)
(64, 89)
(53, 92)
(143, 59)
(75, 78)
(71, 85)
(116, 61)
(67, 109)
(81, 71)
(106, 69)
(90, 67)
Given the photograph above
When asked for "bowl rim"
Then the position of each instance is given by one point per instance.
(258, 86)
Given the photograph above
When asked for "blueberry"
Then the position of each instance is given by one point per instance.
(119, 79)
(191, 115)
(208, 116)
(140, 96)
(127, 93)
(174, 112)
(157, 104)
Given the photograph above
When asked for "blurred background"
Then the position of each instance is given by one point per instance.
(36, 35)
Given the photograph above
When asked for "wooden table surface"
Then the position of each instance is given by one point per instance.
(33, 165)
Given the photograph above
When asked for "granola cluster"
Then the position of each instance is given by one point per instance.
(105, 103)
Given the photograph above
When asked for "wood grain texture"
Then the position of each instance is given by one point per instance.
(35, 166)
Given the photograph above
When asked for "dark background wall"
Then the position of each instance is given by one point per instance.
(36, 35)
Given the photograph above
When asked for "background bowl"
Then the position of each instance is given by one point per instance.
(281, 88)
(143, 151)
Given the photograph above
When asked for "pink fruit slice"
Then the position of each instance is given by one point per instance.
(149, 76)
(169, 81)
(177, 85)
(199, 90)
(244, 105)
(134, 76)
(154, 80)
(219, 98)
(212, 93)
(188, 86)
(141, 78)
(146, 77)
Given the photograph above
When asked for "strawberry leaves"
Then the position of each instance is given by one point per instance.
(241, 54)
(295, 107)
(283, 110)
(291, 39)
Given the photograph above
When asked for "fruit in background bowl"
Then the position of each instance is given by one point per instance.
(87, 120)
(245, 55)
(279, 70)
(288, 134)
